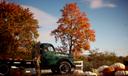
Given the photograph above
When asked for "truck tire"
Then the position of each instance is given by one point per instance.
(64, 67)
(4, 69)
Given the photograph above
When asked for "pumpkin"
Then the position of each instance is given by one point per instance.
(126, 67)
(118, 66)
(109, 69)
(101, 68)
(121, 73)
(89, 73)
(78, 72)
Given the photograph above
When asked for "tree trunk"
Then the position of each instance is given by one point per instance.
(70, 46)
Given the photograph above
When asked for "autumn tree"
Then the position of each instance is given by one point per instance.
(74, 29)
(18, 29)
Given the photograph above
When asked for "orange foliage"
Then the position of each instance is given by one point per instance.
(18, 28)
(74, 29)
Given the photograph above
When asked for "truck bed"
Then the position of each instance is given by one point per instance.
(18, 63)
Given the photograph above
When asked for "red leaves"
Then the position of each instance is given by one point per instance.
(91, 35)
(72, 6)
(74, 28)
(87, 46)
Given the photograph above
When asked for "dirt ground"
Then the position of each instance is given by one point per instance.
(16, 72)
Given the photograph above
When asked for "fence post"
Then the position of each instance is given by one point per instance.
(79, 64)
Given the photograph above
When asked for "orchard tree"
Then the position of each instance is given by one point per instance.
(74, 29)
(18, 29)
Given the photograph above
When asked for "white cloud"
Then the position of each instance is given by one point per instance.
(45, 37)
(43, 18)
(46, 21)
(99, 4)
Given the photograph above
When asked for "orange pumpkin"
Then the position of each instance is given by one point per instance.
(126, 67)
(109, 71)
(101, 68)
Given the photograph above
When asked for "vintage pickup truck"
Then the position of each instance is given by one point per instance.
(50, 59)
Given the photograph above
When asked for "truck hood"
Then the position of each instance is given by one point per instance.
(62, 54)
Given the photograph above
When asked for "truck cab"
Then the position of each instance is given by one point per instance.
(56, 61)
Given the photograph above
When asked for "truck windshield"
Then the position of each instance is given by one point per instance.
(50, 48)
(46, 47)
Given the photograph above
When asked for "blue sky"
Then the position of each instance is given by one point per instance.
(109, 18)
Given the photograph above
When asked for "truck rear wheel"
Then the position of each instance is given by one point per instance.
(4, 69)
(64, 67)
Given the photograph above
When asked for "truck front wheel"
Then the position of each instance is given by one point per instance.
(64, 67)
(4, 69)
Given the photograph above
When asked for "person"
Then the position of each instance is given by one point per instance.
(45, 49)
(36, 58)
(37, 67)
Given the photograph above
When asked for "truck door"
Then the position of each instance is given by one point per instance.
(47, 55)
